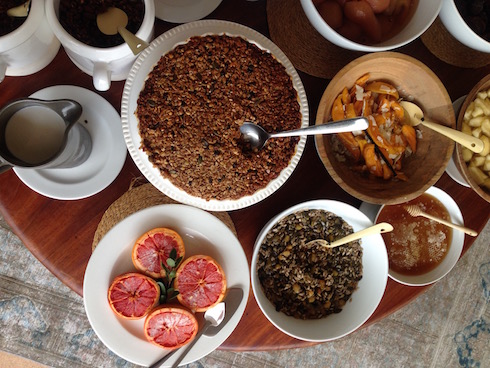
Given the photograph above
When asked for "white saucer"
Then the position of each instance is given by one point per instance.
(108, 149)
(451, 168)
(184, 11)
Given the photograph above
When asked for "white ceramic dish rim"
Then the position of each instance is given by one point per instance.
(135, 81)
(455, 251)
(184, 11)
(202, 233)
(375, 273)
(390, 44)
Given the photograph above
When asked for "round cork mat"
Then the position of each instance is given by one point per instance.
(136, 199)
(448, 49)
(307, 49)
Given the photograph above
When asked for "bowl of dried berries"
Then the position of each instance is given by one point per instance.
(105, 57)
(468, 22)
(311, 292)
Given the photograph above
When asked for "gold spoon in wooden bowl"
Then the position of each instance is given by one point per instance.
(416, 117)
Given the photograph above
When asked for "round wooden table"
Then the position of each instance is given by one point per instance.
(60, 233)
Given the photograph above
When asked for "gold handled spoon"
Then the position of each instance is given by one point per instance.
(20, 11)
(416, 211)
(115, 20)
(416, 117)
(380, 228)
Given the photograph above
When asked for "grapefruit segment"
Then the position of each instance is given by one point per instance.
(153, 249)
(170, 327)
(132, 295)
(201, 283)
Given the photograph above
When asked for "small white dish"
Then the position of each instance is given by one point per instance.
(105, 161)
(184, 11)
(364, 300)
(451, 168)
(135, 82)
(202, 233)
(455, 249)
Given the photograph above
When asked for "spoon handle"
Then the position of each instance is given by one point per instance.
(450, 224)
(347, 125)
(472, 143)
(135, 43)
(380, 228)
(191, 344)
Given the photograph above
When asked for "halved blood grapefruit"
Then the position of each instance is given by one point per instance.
(201, 283)
(132, 295)
(170, 327)
(153, 248)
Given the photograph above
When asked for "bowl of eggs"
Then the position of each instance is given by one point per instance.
(421, 251)
(371, 25)
(466, 20)
(474, 119)
(390, 162)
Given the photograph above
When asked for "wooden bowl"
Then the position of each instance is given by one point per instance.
(415, 82)
(484, 84)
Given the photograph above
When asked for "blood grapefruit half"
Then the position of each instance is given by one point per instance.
(170, 327)
(132, 295)
(201, 283)
(153, 248)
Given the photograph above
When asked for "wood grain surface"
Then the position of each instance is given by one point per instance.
(60, 233)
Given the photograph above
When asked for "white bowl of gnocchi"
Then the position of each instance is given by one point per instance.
(474, 119)
(371, 25)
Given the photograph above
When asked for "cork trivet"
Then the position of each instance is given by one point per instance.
(307, 49)
(136, 199)
(448, 49)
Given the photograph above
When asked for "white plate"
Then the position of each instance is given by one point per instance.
(455, 248)
(135, 82)
(105, 161)
(184, 11)
(202, 233)
(364, 300)
(451, 168)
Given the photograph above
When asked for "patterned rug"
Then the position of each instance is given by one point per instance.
(448, 326)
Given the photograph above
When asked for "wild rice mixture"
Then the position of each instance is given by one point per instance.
(309, 281)
(193, 104)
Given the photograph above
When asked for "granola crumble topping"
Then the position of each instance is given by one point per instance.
(193, 104)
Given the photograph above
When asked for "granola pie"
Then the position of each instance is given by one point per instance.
(302, 278)
(191, 108)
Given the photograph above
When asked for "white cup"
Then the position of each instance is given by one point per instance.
(103, 64)
(30, 47)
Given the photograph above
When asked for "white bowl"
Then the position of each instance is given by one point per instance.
(455, 248)
(363, 301)
(29, 48)
(455, 24)
(422, 19)
(103, 64)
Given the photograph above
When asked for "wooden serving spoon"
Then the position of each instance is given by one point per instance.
(416, 117)
(380, 228)
(416, 211)
(115, 20)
